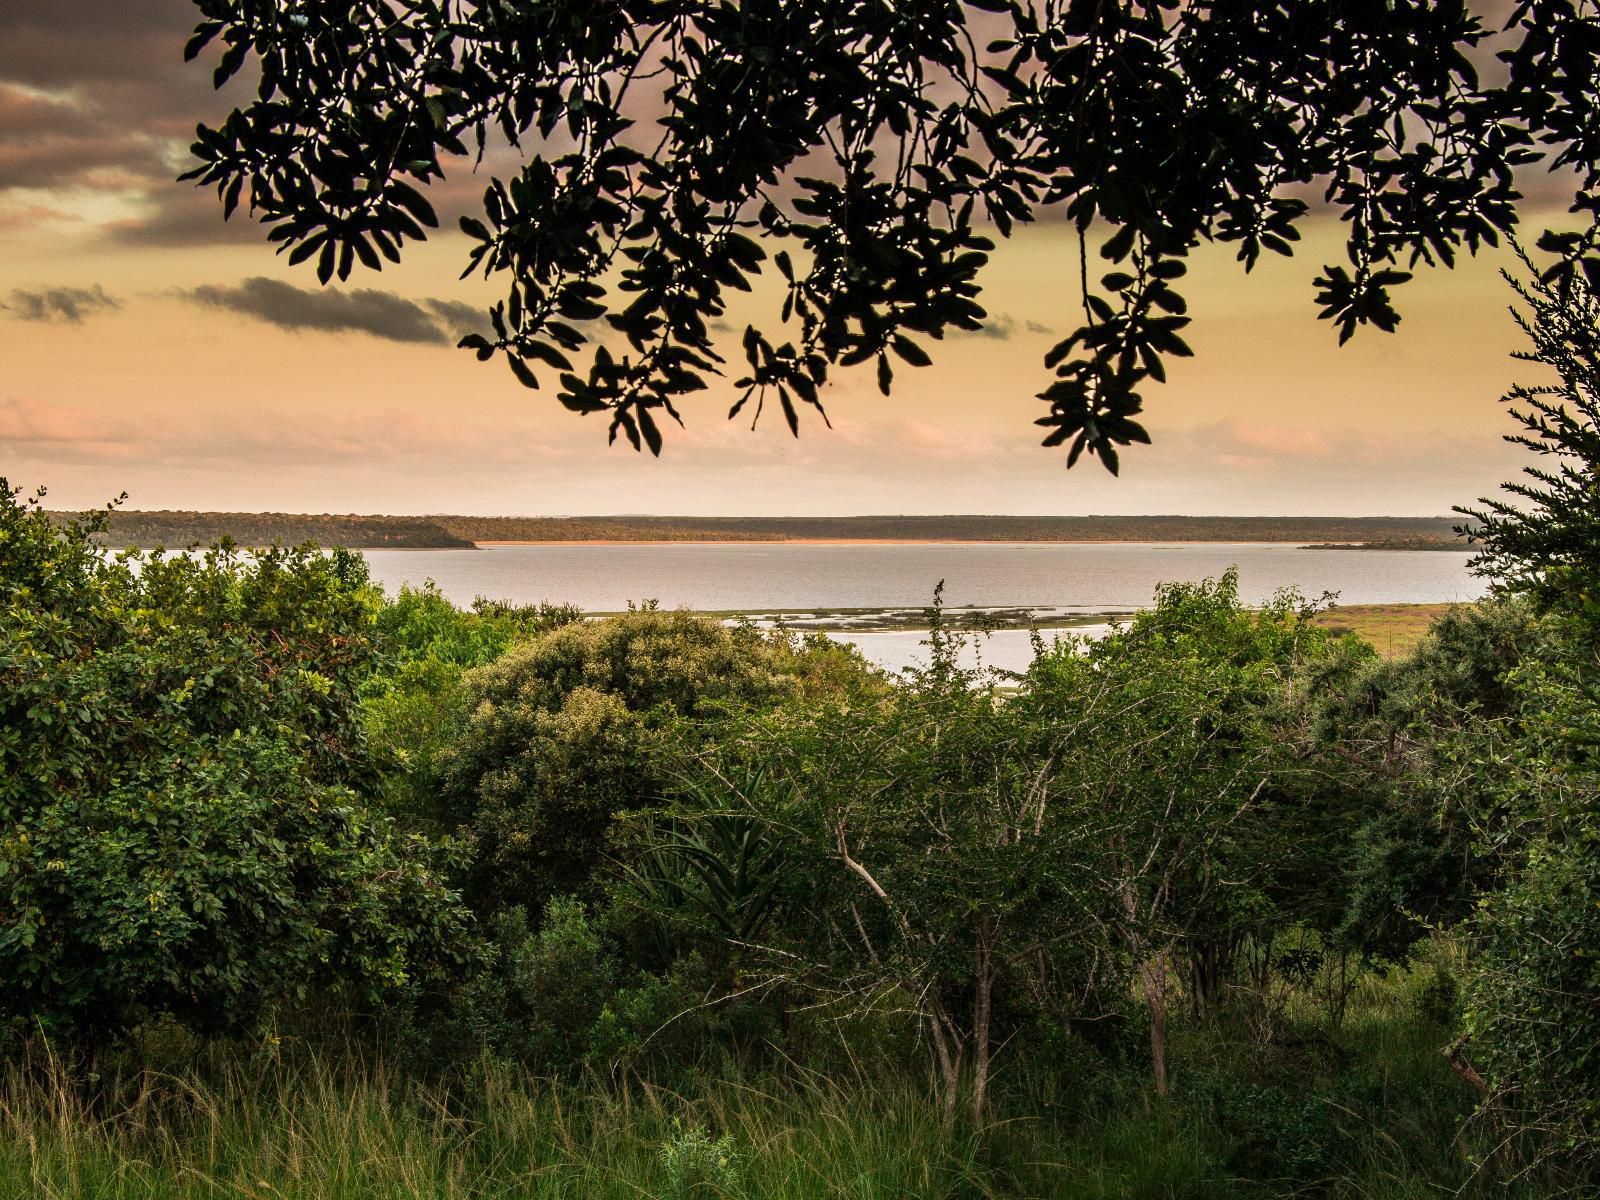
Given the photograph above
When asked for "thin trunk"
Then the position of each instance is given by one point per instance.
(1153, 974)
(948, 1059)
(982, 1006)
(1204, 978)
(1453, 1054)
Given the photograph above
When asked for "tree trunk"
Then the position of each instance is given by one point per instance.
(982, 1007)
(1153, 974)
(947, 1057)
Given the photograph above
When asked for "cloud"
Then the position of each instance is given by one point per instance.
(68, 304)
(1260, 448)
(365, 310)
(178, 214)
(66, 434)
(1002, 327)
(94, 98)
(456, 317)
(58, 434)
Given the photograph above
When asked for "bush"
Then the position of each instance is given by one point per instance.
(426, 645)
(696, 1164)
(543, 990)
(560, 735)
(179, 830)
(1532, 992)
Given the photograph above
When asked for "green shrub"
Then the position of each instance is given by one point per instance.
(696, 1164)
(1532, 991)
(180, 833)
(1273, 1134)
(426, 645)
(544, 989)
(1438, 1000)
(563, 733)
(662, 1026)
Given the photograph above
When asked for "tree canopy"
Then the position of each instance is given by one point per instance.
(873, 148)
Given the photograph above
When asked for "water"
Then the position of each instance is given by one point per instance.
(795, 577)
(1006, 649)
(755, 578)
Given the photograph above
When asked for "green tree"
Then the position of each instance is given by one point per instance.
(563, 733)
(924, 865)
(968, 856)
(1544, 538)
(426, 645)
(668, 147)
(1532, 994)
(1534, 990)
(180, 832)
(1402, 761)
(1164, 738)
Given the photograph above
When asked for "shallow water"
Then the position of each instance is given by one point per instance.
(796, 577)
(745, 577)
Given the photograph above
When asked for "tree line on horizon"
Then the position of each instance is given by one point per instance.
(178, 529)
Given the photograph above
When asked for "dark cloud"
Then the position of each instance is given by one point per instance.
(95, 98)
(456, 317)
(60, 43)
(364, 310)
(1002, 327)
(184, 215)
(58, 304)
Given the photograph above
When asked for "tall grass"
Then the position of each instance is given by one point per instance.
(1365, 1112)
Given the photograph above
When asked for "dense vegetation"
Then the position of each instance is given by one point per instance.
(307, 891)
(733, 903)
(177, 530)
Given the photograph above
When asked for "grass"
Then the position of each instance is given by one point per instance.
(1394, 629)
(1367, 1111)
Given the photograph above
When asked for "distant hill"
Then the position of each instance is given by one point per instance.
(179, 529)
(1437, 530)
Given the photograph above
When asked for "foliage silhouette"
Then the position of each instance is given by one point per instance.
(667, 147)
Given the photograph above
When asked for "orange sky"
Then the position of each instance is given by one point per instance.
(160, 388)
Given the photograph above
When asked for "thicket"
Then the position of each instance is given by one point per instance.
(185, 827)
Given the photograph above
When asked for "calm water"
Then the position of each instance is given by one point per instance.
(753, 578)
(1086, 578)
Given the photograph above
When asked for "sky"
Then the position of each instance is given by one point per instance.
(148, 347)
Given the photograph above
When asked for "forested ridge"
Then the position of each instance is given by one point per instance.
(180, 529)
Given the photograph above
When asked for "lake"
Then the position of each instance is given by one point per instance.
(797, 577)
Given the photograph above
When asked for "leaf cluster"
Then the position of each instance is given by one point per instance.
(669, 149)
